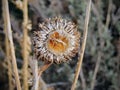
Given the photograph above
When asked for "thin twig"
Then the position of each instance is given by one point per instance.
(99, 53)
(101, 41)
(79, 64)
(44, 67)
(35, 75)
(108, 13)
(37, 80)
(42, 84)
(96, 71)
(25, 40)
(10, 39)
(82, 80)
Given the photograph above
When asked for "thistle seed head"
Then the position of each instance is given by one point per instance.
(56, 40)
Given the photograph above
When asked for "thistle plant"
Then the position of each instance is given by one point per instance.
(56, 40)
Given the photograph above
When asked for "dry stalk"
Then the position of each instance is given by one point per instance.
(9, 66)
(40, 71)
(108, 13)
(79, 63)
(25, 46)
(42, 84)
(8, 59)
(37, 80)
(82, 80)
(43, 68)
(34, 66)
(9, 41)
(96, 70)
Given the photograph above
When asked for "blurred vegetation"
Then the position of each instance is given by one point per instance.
(101, 64)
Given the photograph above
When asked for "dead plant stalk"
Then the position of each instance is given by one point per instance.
(9, 66)
(10, 41)
(79, 64)
(8, 58)
(25, 51)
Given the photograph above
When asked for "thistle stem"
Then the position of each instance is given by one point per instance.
(79, 64)
(43, 68)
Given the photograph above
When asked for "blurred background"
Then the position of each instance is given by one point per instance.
(101, 64)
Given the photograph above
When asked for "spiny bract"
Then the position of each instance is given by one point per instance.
(56, 40)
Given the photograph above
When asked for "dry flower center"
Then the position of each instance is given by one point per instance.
(57, 43)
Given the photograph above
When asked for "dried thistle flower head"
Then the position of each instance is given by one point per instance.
(56, 40)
